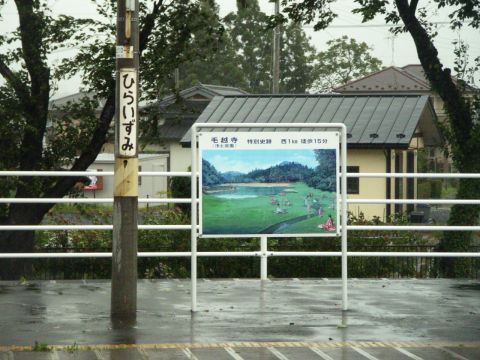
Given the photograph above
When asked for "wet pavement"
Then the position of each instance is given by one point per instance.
(245, 319)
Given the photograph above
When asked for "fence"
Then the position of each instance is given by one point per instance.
(249, 267)
(264, 253)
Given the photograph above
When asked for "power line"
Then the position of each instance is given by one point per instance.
(370, 25)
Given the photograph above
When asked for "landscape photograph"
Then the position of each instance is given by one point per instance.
(284, 192)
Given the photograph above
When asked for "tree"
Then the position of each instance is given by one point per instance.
(165, 40)
(324, 177)
(296, 60)
(219, 64)
(462, 129)
(344, 60)
(253, 41)
(242, 56)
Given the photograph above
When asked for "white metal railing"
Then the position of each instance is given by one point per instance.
(268, 253)
(264, 254)
(49, 255)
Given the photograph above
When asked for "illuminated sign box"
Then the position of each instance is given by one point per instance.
(277, 184)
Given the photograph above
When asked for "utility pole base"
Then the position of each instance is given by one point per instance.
(124, 259)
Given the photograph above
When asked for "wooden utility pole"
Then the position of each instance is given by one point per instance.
(125, 204)
(276, 53)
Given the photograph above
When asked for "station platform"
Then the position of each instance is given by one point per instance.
(244, 319)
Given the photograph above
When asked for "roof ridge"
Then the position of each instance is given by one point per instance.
(394, 68)
(365, 77)
(415, 78)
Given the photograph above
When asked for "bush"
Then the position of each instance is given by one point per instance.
(228, 267)
(436, 189)
(430, 189)
(180, 187)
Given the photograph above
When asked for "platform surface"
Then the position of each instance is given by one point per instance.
(245, 319)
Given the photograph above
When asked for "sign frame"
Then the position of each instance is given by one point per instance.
(276, 142)
(343, 185)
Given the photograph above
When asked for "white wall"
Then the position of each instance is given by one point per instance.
(149, 186)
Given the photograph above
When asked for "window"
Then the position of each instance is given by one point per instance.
(353, 184)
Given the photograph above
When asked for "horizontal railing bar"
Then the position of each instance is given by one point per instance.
(188, 173)
(56, 173)
(375, 254)
(243, 254)
(188, 201)
(413, 201)
(89, 200)
(188, 227)
(166, 173)
(87, 227)
(91, 173)
(415, 175)
(413, 227)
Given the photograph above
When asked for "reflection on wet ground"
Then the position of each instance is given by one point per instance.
(246, 319)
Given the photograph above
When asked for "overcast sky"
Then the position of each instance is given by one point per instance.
(398, 51)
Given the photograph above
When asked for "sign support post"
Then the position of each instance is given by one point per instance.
(343, 184)
(263, 258)
(125, 206)
(193, 214)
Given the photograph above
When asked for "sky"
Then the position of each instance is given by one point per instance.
(397, 51)
(245, 161)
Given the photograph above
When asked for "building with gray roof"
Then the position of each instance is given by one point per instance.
(384, 134)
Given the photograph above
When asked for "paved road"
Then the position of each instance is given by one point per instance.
(259, 351)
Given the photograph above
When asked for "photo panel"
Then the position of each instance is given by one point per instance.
(279, 184)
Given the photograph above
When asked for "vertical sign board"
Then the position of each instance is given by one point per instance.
(277, 184)
(127, 132)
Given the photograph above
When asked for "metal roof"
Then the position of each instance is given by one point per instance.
(372, 121)
(175, 128)
(205, 91)
(391, 79)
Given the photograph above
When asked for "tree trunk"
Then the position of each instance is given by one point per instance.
(460, 241)
(34, 98)
(20, 241)
(461, 140)
(16, 242)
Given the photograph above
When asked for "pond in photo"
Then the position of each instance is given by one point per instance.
(269, 192)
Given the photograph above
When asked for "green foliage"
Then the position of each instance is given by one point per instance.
(297, 57)
(284, 172)
(219, 64)
(343, 61)
(38, 136)
(39, 346)
(324, 177)
(180, 188)
(215, 267)
(461, 101)
(72, 348)
(210, 175)
(430, 189)
(247, 29)
(242, 55)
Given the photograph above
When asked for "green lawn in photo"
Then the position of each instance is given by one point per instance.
(256, 213)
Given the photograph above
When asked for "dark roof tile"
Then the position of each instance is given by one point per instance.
(372, 121)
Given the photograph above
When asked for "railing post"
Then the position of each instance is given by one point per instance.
(263, 258)
(343, 153)
(193, 214)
